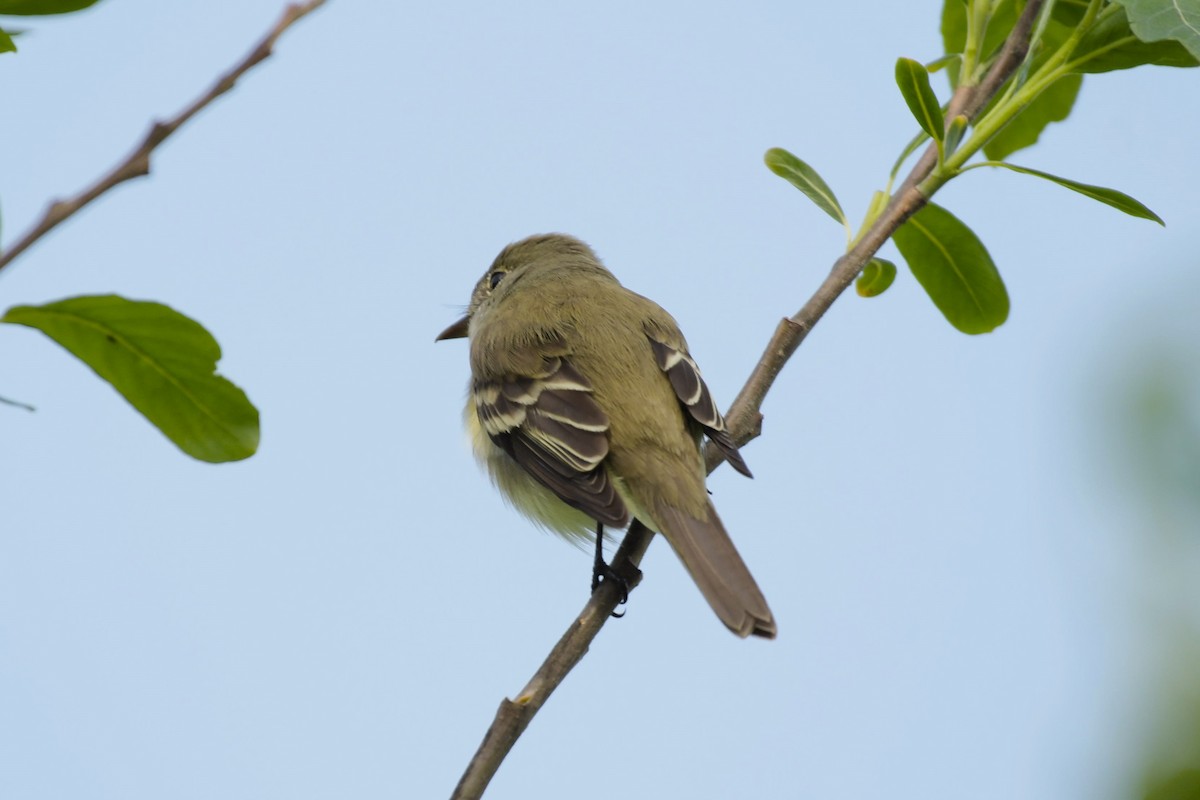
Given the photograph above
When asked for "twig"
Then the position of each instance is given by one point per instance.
(513, 716)
(137, 163)
(744, 421)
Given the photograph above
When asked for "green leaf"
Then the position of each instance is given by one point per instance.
(879, 201)
(1111, 45)
(943, 62)
(954, 37)
(1182, 785)
(1156, 20)
(30, 8)
(162, 362)
(954, 134)
(954, 268)
(1000, 25)
(875, 278)
(806, 179)
(913, 80)
(6, 43)
(1052, 105)
(954, 31)
(1069, 12)
(1110, 197)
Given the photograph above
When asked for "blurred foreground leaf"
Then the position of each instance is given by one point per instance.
(163, 363)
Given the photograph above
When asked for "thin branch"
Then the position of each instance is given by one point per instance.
(744, 421)
(513, 716)
(137, 163)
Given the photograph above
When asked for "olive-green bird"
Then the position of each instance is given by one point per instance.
(587, 411)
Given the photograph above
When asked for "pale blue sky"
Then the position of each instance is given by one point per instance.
(935, 518)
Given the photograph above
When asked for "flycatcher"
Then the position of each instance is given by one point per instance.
(587, 411)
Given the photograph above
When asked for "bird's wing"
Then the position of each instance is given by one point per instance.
(692, 392)
(552, 426)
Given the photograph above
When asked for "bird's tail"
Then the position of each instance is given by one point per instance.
(714, 564)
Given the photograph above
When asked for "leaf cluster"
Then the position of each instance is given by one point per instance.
(1071, 39)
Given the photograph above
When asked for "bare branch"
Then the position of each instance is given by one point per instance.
(744, 421)
(137, 163)
(513, 716)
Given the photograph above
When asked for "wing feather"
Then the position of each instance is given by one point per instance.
(693, 394)
(553, 427)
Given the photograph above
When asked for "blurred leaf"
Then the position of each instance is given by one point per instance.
(879, 201)
(26, 8)
(6, 43)
(954, 31)
(1052, 105)
(806, 179)
(162, 362)
(954, 134)
(1155, 20)
(1000, 25)
(1110, 197)
(1111, 45)
(875, 278)
(1184, 785)
(1069, 12)
(954, 268)
(954, 36)
(944, 61)
(913, 80)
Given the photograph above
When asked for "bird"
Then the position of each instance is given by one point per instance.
(587, 410)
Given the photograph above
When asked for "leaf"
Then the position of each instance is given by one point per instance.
(875, 278)
(1069, 12)
(1054, 104)
(29, 8)
(6, 43)
(943, 62)
(954, 36)
(954, 268)
(806, 179)
(1001, 20)
(913, 80)
(161, 361)
(954, 133)
(875, 207)
(1110, 197)
(1111, 45)
(1156, 20)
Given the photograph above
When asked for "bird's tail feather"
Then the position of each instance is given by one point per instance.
(710, 558)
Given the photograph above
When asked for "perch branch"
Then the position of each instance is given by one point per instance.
(744, 421)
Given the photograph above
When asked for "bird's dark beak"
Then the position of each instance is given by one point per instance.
(456, 331)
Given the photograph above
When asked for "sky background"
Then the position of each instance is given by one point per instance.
(972, 576)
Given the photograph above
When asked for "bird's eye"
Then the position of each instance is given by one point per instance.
(495, 278)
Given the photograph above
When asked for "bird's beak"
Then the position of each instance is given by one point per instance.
(456, 331)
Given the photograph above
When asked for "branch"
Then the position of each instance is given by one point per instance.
(513, 716)
(744, 421)
(137, 163)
